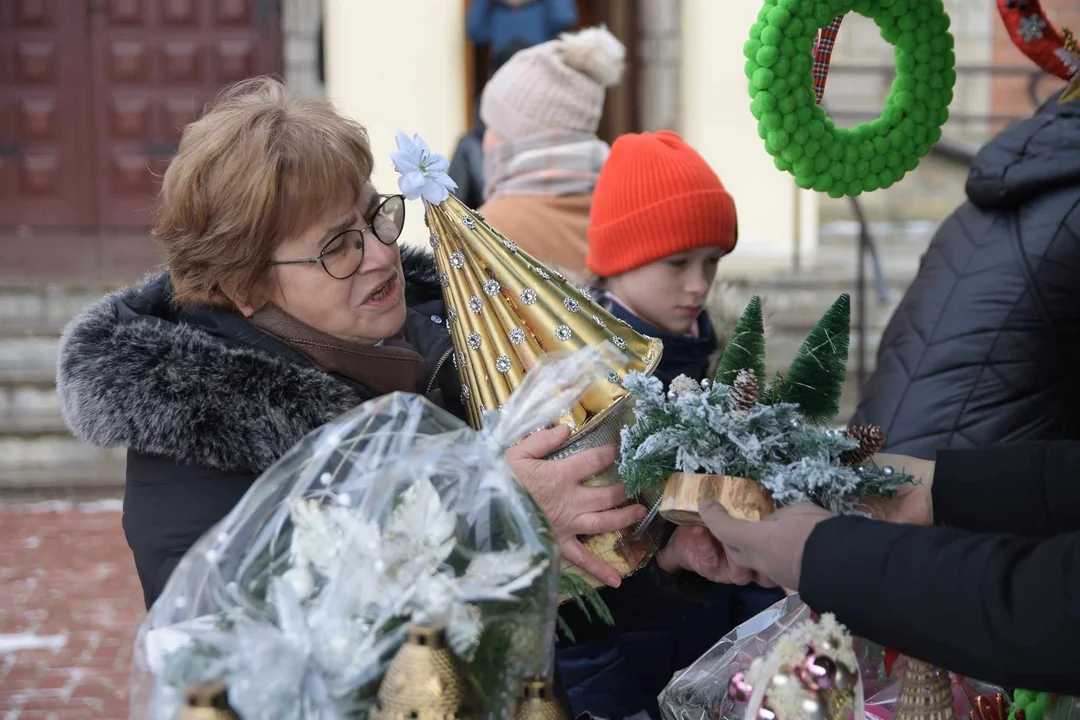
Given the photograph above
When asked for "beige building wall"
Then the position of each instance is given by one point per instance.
(777, 221)
(398, 66)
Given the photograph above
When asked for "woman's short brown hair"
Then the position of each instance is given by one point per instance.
(259, 166)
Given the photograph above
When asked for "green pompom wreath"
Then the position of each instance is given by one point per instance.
(797, 133)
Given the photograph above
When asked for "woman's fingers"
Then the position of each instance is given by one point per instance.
(540, 444)
(596, 499)
(595, 523)
(583, 465)
(590, 562)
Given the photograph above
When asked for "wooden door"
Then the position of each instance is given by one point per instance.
(156, 63)
(46, 134)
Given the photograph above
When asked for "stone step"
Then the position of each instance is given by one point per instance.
(29, 409)
(30, 359)
(42, 311)
(56, 462)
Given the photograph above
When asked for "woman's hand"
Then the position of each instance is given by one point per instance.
(771, 548)
(914, 503)
(572, 508)
(693, 548)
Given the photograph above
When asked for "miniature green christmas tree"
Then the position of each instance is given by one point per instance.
(815, 379)
(746, 348)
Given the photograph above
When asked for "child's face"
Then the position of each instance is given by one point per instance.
(669, 293)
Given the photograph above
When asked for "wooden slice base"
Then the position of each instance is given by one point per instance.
(743, 498)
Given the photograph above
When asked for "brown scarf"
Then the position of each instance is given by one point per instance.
(393, 366)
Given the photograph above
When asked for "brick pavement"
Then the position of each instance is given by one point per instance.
(70, 603)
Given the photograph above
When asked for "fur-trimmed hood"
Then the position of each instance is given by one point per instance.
(202, 386)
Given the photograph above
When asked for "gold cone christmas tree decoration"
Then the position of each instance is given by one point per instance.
(207, 702)
(925, 693)
(505, 310)
(425, 681)
(536, 701)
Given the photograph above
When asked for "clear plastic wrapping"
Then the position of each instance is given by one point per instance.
(700, 692)
(394, 513)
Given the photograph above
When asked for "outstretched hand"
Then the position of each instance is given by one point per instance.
(573, 508)
(771, 548)
(692, 548)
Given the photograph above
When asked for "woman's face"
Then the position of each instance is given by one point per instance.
(367, 307)
(669, 293)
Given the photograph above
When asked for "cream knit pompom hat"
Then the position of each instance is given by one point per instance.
(556, 86)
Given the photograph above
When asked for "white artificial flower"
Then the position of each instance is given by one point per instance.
(423, 172)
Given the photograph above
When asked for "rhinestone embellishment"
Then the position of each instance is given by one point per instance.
(585, 293)
(570, 304)
(619, 342)
(473, 341)
(451, 314)
(468, 222)
(541, 272)
(434, 242)
(476, 304)
(613, 377)
(492, 288)
(517, 336)
(502, 364)
(598, 321)
(465, 392)
(444, 279)
(461, 359)
(563, 332)
(457, 260)
(509, 245)
(528, 296)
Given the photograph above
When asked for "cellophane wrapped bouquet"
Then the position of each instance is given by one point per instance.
(394, 513)
(703, 691)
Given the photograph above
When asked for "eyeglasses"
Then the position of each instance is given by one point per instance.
(343, 254)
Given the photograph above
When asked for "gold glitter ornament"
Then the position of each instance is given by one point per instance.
(536, 701)
(207, 702)
(505, 312)
(425, 681)
(925, 693)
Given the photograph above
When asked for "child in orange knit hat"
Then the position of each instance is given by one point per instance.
(661, 221)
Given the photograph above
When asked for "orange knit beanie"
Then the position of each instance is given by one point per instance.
(655, 197)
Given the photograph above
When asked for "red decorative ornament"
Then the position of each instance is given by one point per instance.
(1033, 33)
(891, 656)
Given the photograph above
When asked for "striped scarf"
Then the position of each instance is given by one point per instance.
(550, 163)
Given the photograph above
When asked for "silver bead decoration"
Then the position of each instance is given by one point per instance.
(451, 314)
(492, 288)
(571, 304)
(453, 359)
(528, 296)
(563, 332)
(619, 342)
(541, 272)
(476, 304)
(465, 392)
(517, 336)
(585, 294)
(623, 322)
(461, 359)
(599, 322)
(613, 377)
(457, 260)
(444, 279)
(468, 222)
(502, 364)
(509, 245)
(436, 319)
(888, 471)
(474, 341)
(705, 384)
(434, 242)
(860, 469)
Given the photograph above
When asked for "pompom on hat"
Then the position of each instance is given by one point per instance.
(555, 86)
(655, 197)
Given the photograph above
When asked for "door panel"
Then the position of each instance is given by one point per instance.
(45, 149)
(156, 65)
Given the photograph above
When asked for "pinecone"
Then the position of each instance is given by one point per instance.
(871, 439)
(683, 385)
(744, 393)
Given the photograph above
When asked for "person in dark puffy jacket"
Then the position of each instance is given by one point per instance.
(985, 345)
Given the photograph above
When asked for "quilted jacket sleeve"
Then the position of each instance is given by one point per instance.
(983, 346)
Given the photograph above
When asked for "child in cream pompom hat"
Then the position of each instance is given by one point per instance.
(542, 157)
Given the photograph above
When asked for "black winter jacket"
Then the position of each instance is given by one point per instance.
(205, 403)
(984, 346)
(995, 595)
